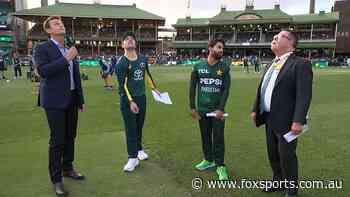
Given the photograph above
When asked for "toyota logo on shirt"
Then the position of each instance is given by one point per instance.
(138, 75)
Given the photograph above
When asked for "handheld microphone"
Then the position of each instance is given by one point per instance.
(68, 40)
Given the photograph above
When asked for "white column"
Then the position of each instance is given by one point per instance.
(115, 30)
(312, 30)
(260, 38)
(209, 33)
(162, 46)
(73, 28)
(191, 33)
(309, 54)
(92, 44)
(336, 31)
(235, 35)
(156, 36)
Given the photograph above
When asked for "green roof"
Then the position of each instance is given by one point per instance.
(192, 22)
(251, 16)
(316, 18)
(262, 14)
(232, 17)
(90, 11)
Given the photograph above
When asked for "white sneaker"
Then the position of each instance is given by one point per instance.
(142, 155)
(131, 165)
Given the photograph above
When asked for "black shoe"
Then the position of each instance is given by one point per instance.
(59, 190)
(74, 175)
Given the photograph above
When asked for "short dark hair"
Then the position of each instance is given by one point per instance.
(214, 41)
(46, 24)
(129, 33)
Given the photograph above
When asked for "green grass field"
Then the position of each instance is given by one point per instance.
(171, 138)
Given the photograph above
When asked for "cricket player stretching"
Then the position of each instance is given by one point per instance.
(211, 81)
(131, 70)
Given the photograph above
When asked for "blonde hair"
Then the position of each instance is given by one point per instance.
(46, 24)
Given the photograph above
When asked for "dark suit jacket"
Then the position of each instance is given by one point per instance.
(291, 96)
(53, 69)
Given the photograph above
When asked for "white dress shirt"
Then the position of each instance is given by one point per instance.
(266, 98)
(63, 51)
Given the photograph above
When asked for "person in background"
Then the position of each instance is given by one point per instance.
(245, 64)
(2, 67)
(106, 74)
(17, 67)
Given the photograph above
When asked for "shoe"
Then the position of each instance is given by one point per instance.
(74, 175)
(59, 190)
(222, 173)
(142, 155)
(131, 165)
(204, 165)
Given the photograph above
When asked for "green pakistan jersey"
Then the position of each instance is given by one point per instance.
(212, 83)
(132, 75)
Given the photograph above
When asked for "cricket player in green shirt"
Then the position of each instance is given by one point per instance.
(211, 80)
(132, 71)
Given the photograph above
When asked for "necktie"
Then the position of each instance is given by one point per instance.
(267, 81)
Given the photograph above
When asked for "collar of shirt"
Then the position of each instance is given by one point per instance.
(279, 61)
(57, 44)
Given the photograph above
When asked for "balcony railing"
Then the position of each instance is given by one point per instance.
(88, 36)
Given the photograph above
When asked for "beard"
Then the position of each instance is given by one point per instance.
(217, 55)
(130, 48)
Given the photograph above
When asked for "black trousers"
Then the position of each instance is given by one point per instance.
(257, 68)
(282, 157)
(213, 143)
(133, 124)
(246, 67)
(18, 71)
(63, 130)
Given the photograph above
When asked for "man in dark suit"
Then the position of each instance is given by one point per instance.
(61, 96)
(282, 102)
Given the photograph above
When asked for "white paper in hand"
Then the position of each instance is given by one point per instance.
(162, 97)
(213, 114)
(290, 136)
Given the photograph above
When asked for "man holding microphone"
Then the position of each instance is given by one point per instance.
(61, 96)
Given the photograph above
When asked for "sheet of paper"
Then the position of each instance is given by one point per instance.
(213, 114)
(290, 136)
(162, 97)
